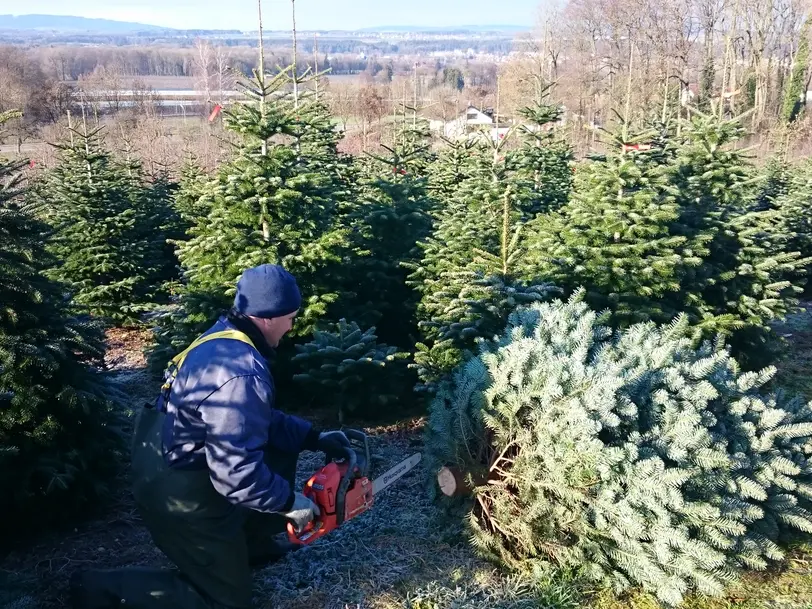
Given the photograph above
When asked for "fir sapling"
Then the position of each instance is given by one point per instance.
(364, 377)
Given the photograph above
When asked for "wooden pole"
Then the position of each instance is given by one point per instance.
(295, 71)
(316, 60)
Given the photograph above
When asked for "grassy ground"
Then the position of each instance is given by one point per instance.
(403, 554)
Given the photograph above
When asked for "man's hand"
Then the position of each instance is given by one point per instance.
(302, 512)
(333, 443)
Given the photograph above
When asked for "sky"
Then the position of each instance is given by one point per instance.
(310, 14)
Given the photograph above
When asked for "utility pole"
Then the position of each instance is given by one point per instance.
(316, 60)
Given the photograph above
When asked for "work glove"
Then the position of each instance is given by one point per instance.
(333, 443)
(302, 512)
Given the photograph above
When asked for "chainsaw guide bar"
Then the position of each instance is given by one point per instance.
(383, 481)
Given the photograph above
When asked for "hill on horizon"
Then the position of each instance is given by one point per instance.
(71, 23)
(67, 23)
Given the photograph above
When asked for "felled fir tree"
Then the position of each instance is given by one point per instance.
(631, 457)
(103, 237)
(271, 203)
(56, 450)
(362, 377)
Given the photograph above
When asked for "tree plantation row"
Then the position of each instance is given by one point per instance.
(591, 341)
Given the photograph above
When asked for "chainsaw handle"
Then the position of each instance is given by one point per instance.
(310, 533)
(360, 437)
(352, 461)
(354, 434)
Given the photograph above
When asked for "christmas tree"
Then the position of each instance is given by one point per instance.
(456, 163)
(776, 177)
(158, 223)
(189, 200)
(670, 225)
(541, 166)
(363, 377)
(473, 297)
(790, 202)
(168, 228)
(631, 457)
(391, 218)
(104, 237)
(55, 445)
(749, 276)
(470, 275)
(276, 202)
(613, 238)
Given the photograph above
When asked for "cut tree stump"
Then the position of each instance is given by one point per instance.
(452, 482)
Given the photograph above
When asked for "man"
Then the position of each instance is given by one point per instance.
(214, 463)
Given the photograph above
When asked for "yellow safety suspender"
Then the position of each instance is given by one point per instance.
(176, 362)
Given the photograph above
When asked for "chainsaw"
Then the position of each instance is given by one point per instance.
(342, 489)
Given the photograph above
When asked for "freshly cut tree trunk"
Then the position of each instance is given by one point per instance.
(452, 482)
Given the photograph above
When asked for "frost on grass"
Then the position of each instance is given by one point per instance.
(499, 593)
(23, 602)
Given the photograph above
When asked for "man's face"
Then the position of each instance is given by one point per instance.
(275, 328)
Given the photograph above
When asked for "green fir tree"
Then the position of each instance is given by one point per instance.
(276, 202)
(457, 162)
(749, 276)
(109, 254)
(389, 221)
(613, 238)
(791, 204)
(674, 226)
(189, 200)
(470, 275)
(542, 165)
(57, 446)
(364, 378)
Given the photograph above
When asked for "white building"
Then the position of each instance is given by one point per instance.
(473, 120)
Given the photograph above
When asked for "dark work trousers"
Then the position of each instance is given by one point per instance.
(212, 543)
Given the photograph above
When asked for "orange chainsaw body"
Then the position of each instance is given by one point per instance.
(341, 489)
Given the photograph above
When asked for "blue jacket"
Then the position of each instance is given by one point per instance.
(221, 416)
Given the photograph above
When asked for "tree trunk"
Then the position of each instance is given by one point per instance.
(452, 482)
